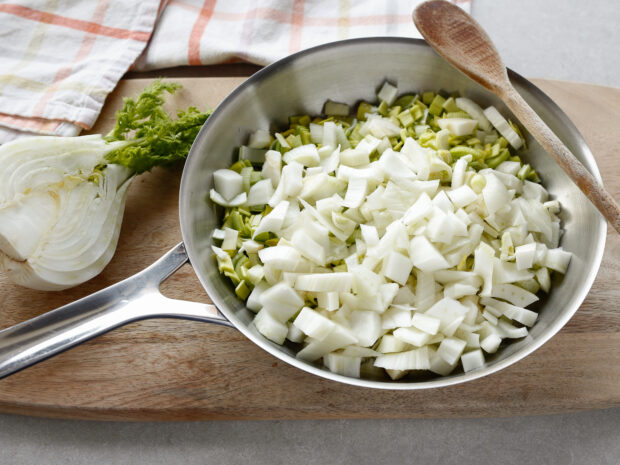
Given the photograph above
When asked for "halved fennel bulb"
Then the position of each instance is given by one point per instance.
(408, 238)
(60, 216)
(62, 198)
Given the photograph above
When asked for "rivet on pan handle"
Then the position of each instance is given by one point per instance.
(135, 298)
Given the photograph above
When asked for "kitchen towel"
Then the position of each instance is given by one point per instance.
(203, 32)
(59, 59)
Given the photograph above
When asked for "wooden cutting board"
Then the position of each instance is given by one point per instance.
(182, 370)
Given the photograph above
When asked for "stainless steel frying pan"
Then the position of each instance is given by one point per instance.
(345, 71)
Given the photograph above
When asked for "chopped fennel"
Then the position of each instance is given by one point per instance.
(62, 198)
(408, 237)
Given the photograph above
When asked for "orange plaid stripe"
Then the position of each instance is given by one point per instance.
(193, 54)
(86, 26)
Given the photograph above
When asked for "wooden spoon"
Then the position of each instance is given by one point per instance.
(458, 38)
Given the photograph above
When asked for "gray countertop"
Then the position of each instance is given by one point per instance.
(557, 39)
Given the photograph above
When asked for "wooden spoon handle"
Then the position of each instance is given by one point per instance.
(594, 190)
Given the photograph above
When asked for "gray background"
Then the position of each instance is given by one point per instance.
(573, 40)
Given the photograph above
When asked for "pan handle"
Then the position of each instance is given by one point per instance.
(135, 298)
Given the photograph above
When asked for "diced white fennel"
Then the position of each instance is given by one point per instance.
(388, 292)
(449, 276)
(451, 349)
(397, 267)
(369, 234)
(272, 222)
(354, 157)
(395, 165)
(442, 202)
(270, 327)
(272, 167)
(292, 178)
(507, 272)
(227, 183)
(462, 196)
(416, 359)
(534, 191)
(235, 202)
(510, 331)
(313, 324)
(458, 126)
(253, 302)
(483, 266)
(282, 257)
(543, 278)
(381, 127)
(357, 351)
(395, 317)
(524, 255)
(328, 300)
(343, 364)
(494, 193)
(365, 282)
(514, 294)
(439, 365)
(338, 338)
(404, 295)
(295, 334)
(341, 138)
(425, 256)
(307, 155)
(440, 227)
(448, 311)
(425, 291)
(472, 360)
(502, 126)
(387, 93)
(319, 186)
(426, 323)
(356, 191)
(509, 167)
(458, 171)
(316, 133)
(473, 109)
(230, 239)
(491, 343)
(251, 246)
(331, 162)
(259, 139)
(256, 274)
(412, 336)
(329, 134)
(282, 301)
(308, 247)
(218, 234)
(366, 325)
(390, 344)
(489, 316)
(442, 140)
(472, 340)
(557, 259)
(422, 208)
(324, 282)
(513, 312)
(260, 193)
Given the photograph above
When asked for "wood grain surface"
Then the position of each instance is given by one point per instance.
(182, 370)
